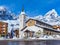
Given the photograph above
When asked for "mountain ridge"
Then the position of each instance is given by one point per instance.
(51, 17)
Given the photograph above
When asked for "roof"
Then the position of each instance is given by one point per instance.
(52, 30)
(22, 8)
(23, 28)
(49, 29)
(33, 28)
(29, 19)
(39, 22)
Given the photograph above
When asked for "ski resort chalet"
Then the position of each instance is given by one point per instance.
(35, 28)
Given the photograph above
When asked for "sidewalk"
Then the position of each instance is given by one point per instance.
(27, 39)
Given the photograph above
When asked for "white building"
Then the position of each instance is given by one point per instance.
(22, 19)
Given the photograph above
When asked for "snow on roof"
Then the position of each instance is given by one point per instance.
(33, 28)
(22, 13)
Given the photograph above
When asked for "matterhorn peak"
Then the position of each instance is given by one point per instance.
(51, 14)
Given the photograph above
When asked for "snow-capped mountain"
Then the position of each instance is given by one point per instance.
(51, 14)
(5, 14)
(51, 17)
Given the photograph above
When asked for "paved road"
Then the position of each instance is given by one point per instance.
(34, 42)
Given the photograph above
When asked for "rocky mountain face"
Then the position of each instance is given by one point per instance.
(5, 14)
(51, 17)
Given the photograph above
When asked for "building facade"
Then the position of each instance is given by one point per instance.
(3, 29)
(37, 28)
(22, 19)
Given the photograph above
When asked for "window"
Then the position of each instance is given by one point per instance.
(30, 21)
(3, 25)
(47, 33)
(2, 35)
(3, 28)
(50, 33)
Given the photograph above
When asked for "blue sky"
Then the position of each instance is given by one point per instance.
(32, 7)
